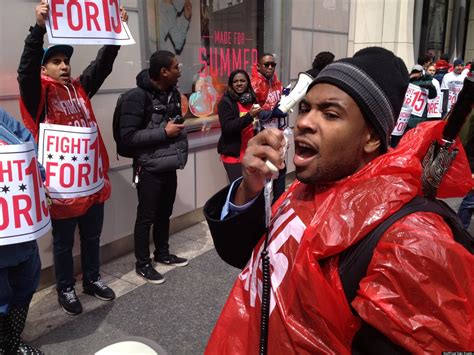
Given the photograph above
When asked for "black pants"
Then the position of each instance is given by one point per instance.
(90, 228)
(156, 195)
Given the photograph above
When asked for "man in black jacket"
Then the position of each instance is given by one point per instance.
(151, 125)
(50, 95)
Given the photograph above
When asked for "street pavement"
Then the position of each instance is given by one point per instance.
(179, 315)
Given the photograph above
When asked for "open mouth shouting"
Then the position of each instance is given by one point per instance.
(304, 153)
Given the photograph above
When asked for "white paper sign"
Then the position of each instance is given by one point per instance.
(455, 88)
(24, 213)
(87, 22)
(402, 121)
(71, 157)
(435, 106)
(417, 98)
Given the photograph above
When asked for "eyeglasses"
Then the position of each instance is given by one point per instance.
(270, 64)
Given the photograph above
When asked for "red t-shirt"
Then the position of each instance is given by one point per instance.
(245, 136)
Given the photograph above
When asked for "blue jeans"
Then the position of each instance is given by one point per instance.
(19, 280)
(90, 228)
(465, 209)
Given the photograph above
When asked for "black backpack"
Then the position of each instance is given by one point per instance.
(122, 149)
(354, 262)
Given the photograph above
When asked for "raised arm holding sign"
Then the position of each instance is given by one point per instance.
(51, 96)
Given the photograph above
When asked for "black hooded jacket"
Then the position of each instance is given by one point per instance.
(142, 126)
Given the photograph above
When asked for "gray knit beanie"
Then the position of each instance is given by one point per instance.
(376, 80)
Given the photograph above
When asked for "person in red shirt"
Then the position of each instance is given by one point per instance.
(268, 89)
(417, 294)
(237, 111)
(48, 94)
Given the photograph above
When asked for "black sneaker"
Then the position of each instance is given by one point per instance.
(69, 302)
(149, 273)
(171, 259)
(99, 290)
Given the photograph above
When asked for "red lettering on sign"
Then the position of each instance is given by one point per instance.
(225, 61)
(32, 170)
(80, 23)
(4, 214)
(55, 13)
(92, 12)
(83, 176)
(19, 211)
(49, 171)
(246, 62)
(95, 147)
(115, 20)
(62, 175)
(6, 169)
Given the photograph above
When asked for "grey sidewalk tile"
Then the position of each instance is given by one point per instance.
(45, 313)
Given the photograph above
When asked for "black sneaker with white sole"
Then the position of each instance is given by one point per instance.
(149, 273)
(99, 290)
(171, 260)
(69, 302)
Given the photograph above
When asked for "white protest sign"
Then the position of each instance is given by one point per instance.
(435, 106)
(71, 157)
(402, 121)
(417, 98)
(23, 207)
(455, 88)
(87, 22)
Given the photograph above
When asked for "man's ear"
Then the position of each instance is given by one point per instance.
(43, 70)
(163, 72)
(372, 142)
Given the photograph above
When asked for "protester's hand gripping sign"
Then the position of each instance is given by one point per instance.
(24, 213)
(71, 157)
(417, 98)
(86, 22)
(455, 88)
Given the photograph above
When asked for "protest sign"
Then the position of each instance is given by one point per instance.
(87, 22)
(417, 98)
(402, 121)
(71, 157)
(23, 206)
(435, 106)
(455, 88)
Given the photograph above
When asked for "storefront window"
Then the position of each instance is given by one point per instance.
(211, 38)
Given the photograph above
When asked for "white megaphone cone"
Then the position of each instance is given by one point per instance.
(287, 102)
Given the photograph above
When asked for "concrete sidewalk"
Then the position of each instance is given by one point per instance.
(179, 314)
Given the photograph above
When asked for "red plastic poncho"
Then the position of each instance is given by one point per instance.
(268, 91)
(57, 114)
(419, 288)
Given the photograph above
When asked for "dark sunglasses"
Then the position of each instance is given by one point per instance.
(270, 64)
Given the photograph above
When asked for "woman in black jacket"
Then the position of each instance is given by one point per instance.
(237, 111)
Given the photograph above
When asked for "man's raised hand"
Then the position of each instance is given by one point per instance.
(267, 145)
(42, 11)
